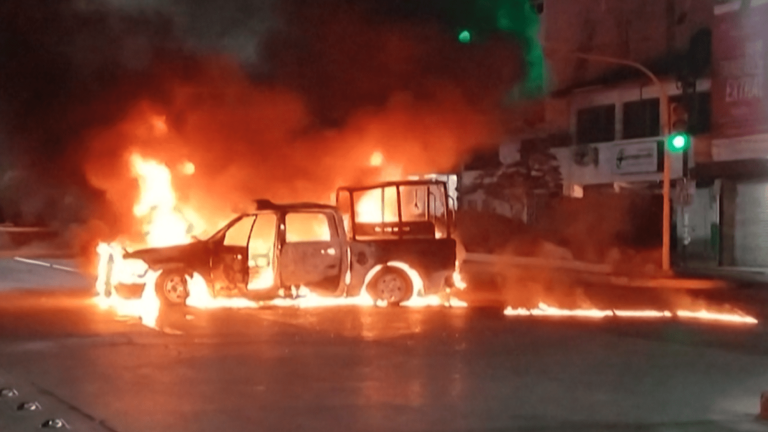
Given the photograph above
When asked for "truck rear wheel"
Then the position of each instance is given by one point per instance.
(390, 284)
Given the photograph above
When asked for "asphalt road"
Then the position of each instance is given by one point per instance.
(371, 369)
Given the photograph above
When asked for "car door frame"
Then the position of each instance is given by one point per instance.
(276, 247)
(218, 257)
(338, 242)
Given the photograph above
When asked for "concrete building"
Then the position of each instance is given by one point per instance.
(603, 122)
(737, 174)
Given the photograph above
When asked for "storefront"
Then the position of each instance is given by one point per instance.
(751, 224)
(739, 167)
(740, 200)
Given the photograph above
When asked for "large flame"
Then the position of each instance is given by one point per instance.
(375, 207)
(378, 206)
(165, 222)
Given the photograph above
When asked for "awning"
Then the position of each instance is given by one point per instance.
(739, 169)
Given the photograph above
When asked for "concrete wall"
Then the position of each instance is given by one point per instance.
(602, 173)
(563, 118)
(605, 172)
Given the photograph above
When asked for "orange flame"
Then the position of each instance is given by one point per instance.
(187, 168)
(377, 159)
(544, 310)
(369, 208)
(165, 222)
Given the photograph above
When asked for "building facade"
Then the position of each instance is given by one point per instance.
(603, 123)
(737, 175)
(645, 31)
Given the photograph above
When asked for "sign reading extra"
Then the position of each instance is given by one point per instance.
(739, 84)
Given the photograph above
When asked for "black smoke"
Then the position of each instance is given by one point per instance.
(313, 83)
(65, 71)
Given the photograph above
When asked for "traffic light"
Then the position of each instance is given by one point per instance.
(465, 36)
(678, 117)
(679, 140)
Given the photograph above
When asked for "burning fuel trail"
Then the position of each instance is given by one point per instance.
(704, 315)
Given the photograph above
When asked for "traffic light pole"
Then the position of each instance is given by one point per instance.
(665, 130)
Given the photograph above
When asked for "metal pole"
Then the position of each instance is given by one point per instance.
(666, 231)
(666, 228)
(665, 129)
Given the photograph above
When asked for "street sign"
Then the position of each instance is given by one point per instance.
(635, 158)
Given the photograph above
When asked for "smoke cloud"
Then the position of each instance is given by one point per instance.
(282, 100)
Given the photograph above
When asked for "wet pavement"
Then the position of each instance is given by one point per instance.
(372, 369)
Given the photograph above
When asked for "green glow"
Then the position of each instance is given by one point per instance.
(477, 20)
(517, 18)
(678, 142)
(465, 37)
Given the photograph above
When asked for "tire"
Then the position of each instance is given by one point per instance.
(392, 285)
(171, 288)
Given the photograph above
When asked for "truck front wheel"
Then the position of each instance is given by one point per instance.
(390, 284)
(171, 288)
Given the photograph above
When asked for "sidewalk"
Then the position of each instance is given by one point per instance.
(594, 274)
(736, 275)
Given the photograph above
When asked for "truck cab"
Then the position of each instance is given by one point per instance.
(256, 254)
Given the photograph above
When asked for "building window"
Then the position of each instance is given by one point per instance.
(596, 124)
(699, 107)
(641, 119)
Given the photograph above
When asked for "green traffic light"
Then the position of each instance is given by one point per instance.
(465, 37)
(678, 142)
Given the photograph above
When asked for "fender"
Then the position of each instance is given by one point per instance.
(172, 267)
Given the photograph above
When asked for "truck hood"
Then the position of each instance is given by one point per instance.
(171, 254)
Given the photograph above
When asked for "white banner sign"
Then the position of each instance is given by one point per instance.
(636, 158)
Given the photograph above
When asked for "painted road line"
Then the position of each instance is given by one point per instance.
(44, 264)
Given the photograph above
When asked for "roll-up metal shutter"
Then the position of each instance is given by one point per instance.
(751, 230)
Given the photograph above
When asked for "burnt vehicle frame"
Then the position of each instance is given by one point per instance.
(424, 243)
(375, 255)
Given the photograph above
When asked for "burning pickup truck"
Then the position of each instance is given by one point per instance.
(390, 239)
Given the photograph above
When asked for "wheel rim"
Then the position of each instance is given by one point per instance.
(391, 287)
(175, 289)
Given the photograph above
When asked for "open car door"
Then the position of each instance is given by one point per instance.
(229, 257)
(261, 252)
(313, 252)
